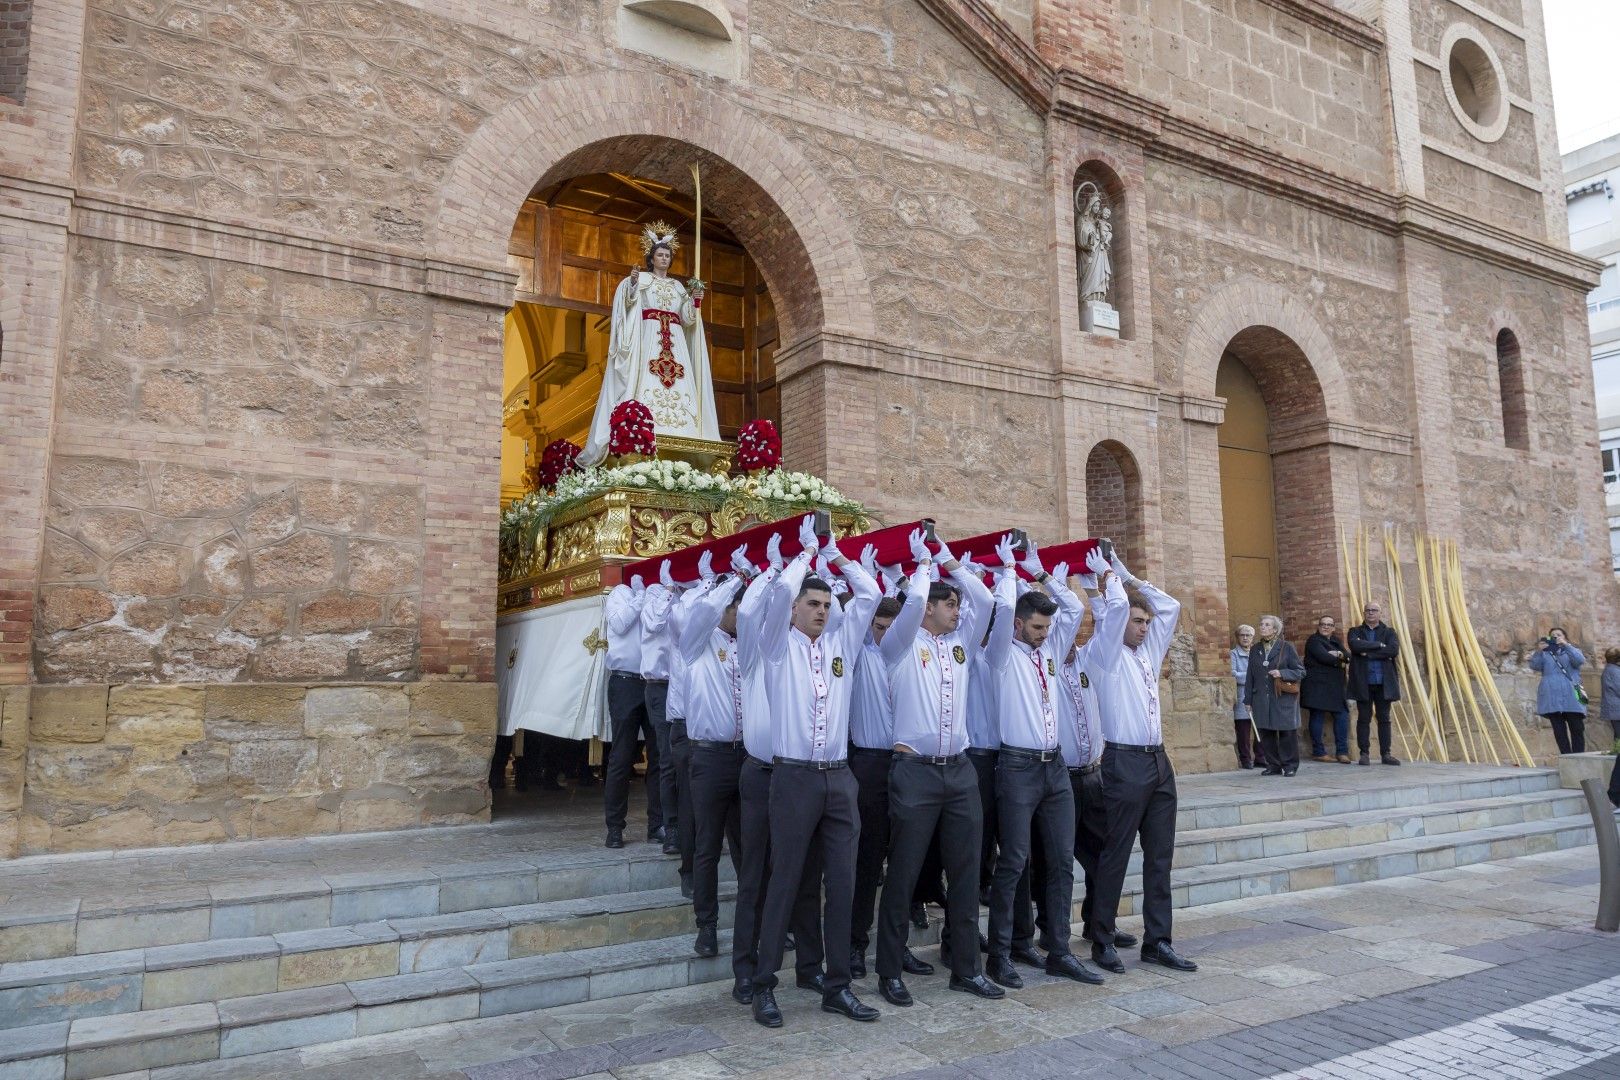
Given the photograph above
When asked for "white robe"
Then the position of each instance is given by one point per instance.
(674, 382)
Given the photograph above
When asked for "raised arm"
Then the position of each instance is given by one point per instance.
(773, 641)
(902, 633)
(1166, 613)
(864, 596)
(977, 602)
(655, 608)
(1109, 613)
(752, 614)
(702, 615)
(623, 609)
(999, 647)
(1577, 659)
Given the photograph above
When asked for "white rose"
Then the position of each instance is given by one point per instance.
(642, 480)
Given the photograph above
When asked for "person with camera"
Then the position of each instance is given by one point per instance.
(1560, 697)
(1272, 694)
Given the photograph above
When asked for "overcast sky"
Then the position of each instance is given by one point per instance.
(1583, 51)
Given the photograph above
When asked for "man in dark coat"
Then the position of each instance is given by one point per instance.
(1374, 680)
(1323, 691)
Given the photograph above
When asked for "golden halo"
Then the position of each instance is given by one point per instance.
(659, 232)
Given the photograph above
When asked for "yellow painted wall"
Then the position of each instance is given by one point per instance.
(1248, 512)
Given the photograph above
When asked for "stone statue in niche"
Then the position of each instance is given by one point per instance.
(1094, 242)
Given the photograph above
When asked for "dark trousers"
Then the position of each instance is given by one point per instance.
(1139, 789)
(627, 710)
(716, 816)
(1032, 793)
(1247, 748)
(685, 833)
(1364, 715)
(1569, 731)
(1281, 748)
(923, 798)
(871, 769)
(1090, 838)
(1341, 732)
(754, 795)
(984, 765)
(668, 797)
(812, 810)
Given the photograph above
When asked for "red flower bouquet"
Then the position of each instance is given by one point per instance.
(559, 459)
(758, 446)
(630, 429)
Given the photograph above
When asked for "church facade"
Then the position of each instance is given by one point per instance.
(257, 261)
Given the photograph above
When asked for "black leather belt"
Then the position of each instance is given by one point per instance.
(979, 751)
(1035, 755)
(625, 674)
(655, 682)
(871, 751)
(1085, 770)
(716, 744)
(931, 759)
(1158, 749)
(819, 766)
(750, 759)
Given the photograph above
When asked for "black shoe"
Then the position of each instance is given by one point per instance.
(1162, 953)
(857, 963)
(913, 966)
(765, 1010)
(1026, 954)
(1290, 770)
(894, 992)
(978, 986)
(919, 916)
(1363, 760)
(672, 846)
(1272, 770)
(742, 990)
(686, 884)
(1107, 957)
(814, 982)
(655, 836)
(706, 943)
(1069, 967)
(1123, 940)
(845, 1003)
(1002, 971)
(1390, 759)
(615, 838)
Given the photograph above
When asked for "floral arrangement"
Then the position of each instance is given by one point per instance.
(630, 429)
(759, 446)
(560, 457)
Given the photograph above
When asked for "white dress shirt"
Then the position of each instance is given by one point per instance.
(679, 673)
(1080, 731)
(871, 716)
(621, 615)
(808, 683)
(657, 640)
(760, 604)
(714, 695)
(1026, 679)
(1129, 694)
(929, 675)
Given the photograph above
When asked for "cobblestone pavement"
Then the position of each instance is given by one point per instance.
(1490, 970)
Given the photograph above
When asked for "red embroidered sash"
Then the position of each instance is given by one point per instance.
(664, 367)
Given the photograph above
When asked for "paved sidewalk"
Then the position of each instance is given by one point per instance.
(1490, 969)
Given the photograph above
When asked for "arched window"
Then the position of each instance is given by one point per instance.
(1510, 376)
(1114, 499)
(15, 16)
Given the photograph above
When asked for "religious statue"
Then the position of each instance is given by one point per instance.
(1094, 240)
(657, 354)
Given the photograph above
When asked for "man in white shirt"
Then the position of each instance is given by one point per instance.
(1138, 782)
(1032, 782)
(657, 659)
(808, 660)
(871, 750)
(932, 784)
(761, 603)
(627, 713)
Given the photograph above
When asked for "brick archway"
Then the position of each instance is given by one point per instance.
(1114, 501)
(771, 197)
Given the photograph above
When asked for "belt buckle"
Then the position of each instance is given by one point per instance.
(823, 765)
(939, 760)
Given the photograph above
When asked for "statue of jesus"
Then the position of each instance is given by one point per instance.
(656, 352)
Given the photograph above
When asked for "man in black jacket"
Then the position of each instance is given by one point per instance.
(1374, 680)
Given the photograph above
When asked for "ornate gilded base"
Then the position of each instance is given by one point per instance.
(712, 455)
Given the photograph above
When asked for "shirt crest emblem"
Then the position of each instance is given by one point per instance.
(925, 654)
(721, 654)
(838, 667)
(1084, 681)
(1051, 666)
(959, 654)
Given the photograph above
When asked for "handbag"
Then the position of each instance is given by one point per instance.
(1580, 691)
(1280, 685)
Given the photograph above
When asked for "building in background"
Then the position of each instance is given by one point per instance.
(1591, 175)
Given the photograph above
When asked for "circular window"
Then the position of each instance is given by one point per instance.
(1474, 83)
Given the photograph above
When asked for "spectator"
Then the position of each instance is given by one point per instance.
(1242, 716)
(1273, 661)
(1559, 697)
(1323, 692)
(1609, 705)
(1375, 682)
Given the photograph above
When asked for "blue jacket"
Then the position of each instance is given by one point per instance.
(1560, 668)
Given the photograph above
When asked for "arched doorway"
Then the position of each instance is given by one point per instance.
(1276, 473)
(1114, 499)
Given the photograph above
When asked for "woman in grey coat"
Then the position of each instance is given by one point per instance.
(1276, 715)
(1558, 698)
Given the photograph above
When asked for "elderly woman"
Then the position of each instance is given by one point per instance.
(1272, 662)
(1242, 717)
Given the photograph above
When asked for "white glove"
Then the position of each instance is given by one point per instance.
(869, 560)
(665, 578)
(637, 586)
(944, 555)
(1096, 563)
(1119, 568)
(823, 568)
(919, 547)
(740, 563)
(1088, 582)
(1032, 561)
(706, 566)
(829, 550)
(773, 551)
(891, 575)
(839, 586)
(808, 540)
(1061, 572)
(971, 567)
(1004, 551)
